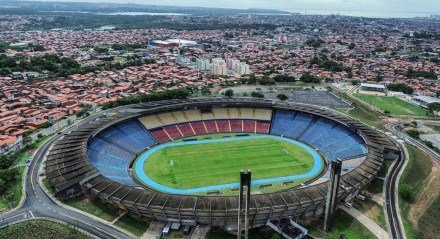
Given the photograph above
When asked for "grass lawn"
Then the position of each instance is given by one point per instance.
(119, 59)
(434, 127)
(416, 176)
(376, 186)
(392, 104)
(372, 210)
(93, 207)
(362, 112)
(205, 164)
(345, 224)
(256, 233)
(39, 229)
(137, 227)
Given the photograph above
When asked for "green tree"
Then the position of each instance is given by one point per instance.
(205, 90)
(257, 94)
(282, 97)
(229, 93)
(413, 133)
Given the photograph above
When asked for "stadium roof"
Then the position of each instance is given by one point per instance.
(427, 99)
(372, 85)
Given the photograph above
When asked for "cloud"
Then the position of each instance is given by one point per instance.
(428, 6)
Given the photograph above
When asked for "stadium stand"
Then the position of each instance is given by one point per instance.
(179, 116)
(172, 131)
(262, 114)
(233, 113)
(199, 127)
(193, 115)
(82, 163)
(150, 121)
(167, 118)
(160, 135)
(186, 129)
(263, 127)
(129, 135)
(135, 130)
(111, 160)
(246, 113)
(223, 126)
(236, 125)
(211, 126)
(249, 126)
(220, 113)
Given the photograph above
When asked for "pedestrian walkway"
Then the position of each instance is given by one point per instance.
(367, 222)
(154, 231)
(200, 232)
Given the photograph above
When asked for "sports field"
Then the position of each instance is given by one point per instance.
(392, 104)
(214, 163)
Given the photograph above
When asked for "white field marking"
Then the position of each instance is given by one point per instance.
(285, 151)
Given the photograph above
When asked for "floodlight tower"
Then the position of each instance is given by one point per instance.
(244, 199)
(332, 194)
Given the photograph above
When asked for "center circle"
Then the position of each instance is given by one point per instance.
(212, 163)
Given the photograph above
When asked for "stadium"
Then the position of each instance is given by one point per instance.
(179, 160)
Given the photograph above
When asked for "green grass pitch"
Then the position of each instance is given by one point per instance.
(392, 104)
(206, 164)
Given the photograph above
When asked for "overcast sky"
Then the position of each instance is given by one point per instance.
(423, 6)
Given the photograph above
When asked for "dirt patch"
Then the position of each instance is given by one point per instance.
(426, 196)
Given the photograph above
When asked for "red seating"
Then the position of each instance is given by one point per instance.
(160, 135)
(210, 126)
(172, 131)
(263, 127)
(249, 126)
(236, 125)
(185, 129)
(223, 126)
(198, 127)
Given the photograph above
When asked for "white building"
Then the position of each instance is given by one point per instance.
(203, 65)
(424, 101)
(243, 69)
(219, 67)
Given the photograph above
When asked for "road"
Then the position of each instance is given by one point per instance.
(37, 204)
(391, 192)
(395, 129)
(393, 178)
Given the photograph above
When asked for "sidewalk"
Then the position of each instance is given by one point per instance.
(367, 222)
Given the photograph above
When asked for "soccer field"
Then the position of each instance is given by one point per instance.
(214, 163)
(392, 104)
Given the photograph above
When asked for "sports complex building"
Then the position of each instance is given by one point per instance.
(179, 161)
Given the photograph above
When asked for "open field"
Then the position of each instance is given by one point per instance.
(93, 207)
(39, 229)
(372, 210)
(206, 164)
(345, 225)
(362, 112)
(421, 208)
(135, 226)
(392, 104)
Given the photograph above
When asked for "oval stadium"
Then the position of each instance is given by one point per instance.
(180, 161)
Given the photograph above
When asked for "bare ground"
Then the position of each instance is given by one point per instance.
(426, 196)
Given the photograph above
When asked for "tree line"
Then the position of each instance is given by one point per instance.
(182, 93)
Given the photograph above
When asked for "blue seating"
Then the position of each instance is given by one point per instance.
(318, 128)
(332, 139)
(111, 160)
(281, 121)
(129, 135)
(290, 124)
(299, 124)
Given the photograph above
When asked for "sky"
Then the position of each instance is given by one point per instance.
(409, 6)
